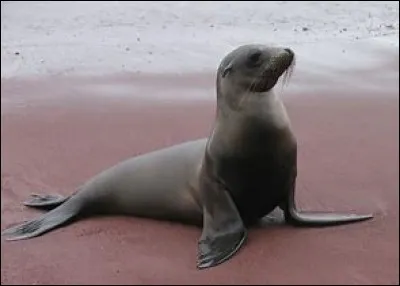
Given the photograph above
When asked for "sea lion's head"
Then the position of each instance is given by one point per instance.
(253, 68)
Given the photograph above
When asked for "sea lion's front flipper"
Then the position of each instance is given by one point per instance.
(300, 218)
(223, 229)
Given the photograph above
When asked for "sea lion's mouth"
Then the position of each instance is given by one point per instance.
(271, 74)
(278, 65)
(282, 64)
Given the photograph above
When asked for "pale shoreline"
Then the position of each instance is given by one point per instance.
(81, 38)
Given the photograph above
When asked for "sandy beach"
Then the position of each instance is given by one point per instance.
(71, 107)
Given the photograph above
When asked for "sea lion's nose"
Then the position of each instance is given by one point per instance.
(289, 51)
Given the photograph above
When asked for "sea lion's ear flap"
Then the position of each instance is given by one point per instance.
(226, 70)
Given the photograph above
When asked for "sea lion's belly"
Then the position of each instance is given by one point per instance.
(259, 189)
(257, 176)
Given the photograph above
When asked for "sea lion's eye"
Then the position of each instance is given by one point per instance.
(254, 57)
(226, 70)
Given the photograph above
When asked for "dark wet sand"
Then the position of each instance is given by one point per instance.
(57, 133)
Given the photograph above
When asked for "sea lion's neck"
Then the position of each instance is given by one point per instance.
(259, 116)
(267, 106)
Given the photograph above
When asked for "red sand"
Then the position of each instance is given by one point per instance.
(55, 134)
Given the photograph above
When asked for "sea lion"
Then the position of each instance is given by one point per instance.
(225, 183)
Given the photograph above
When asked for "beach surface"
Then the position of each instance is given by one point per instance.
(86, 85)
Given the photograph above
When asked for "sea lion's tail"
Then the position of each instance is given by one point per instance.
(67, 209)
(299, 218)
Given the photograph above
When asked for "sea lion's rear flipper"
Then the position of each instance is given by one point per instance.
(223, 230)
(47, 202)
(300, 218)
(323, 218)
(44, 223)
